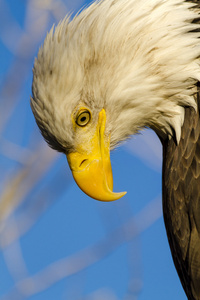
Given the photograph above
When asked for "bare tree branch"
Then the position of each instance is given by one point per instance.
(87, 257)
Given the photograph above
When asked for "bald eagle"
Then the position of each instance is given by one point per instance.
(117, 67)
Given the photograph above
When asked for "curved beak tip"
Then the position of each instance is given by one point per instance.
(95, 187)
(109, 196)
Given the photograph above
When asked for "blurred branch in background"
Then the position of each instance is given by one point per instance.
(86, 257)
(33, 176)
(27, 163)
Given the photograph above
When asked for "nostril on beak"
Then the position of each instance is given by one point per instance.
(82, 163)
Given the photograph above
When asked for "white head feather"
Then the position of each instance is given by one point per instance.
(138, 59)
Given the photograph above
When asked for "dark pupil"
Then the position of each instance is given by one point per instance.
(83, 119)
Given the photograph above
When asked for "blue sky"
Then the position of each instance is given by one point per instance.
(56, 242)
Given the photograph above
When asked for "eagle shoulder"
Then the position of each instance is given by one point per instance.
(181, 201)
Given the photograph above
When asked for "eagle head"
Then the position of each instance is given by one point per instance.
(117, 67)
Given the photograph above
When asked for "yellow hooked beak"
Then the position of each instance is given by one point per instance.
(91, 167)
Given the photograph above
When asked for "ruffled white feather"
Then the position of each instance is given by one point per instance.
(139, 59)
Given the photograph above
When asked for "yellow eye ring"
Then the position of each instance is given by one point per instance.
(83, 118)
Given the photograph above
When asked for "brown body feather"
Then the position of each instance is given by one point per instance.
(181, 201)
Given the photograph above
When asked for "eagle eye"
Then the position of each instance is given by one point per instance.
(83, 118)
